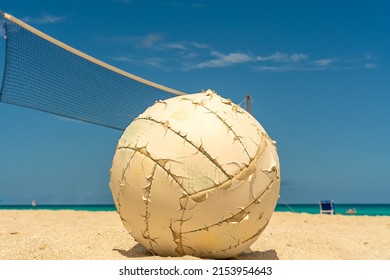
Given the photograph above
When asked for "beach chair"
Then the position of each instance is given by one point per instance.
(327, 207)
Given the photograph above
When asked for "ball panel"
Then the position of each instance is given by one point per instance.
(140, 133)
(130, 195)
(234, 205)
(202, 126)
(219, 205)
(191, 166)
(162, 209)
(269, 160)
(121, 160)
(247, 131)
(230, 237)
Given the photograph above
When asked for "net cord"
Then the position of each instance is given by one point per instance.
(3, 25)
(90, 58)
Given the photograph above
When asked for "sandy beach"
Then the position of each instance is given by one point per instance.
(82, 235)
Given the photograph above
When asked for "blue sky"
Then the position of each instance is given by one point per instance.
(318, 73)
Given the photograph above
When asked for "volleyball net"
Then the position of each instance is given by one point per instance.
(45, 74)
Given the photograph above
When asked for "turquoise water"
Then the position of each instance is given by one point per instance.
(60, 207)
(361, 209)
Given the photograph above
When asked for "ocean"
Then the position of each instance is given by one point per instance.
(361, 209)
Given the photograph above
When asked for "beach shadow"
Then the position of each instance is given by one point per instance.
(138, 251)
(257, 255)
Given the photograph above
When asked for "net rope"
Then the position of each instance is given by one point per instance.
(43, 73)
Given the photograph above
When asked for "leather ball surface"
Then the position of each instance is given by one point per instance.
(195, 175)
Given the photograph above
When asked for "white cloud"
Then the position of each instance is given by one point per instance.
(298, 57)
(324, 62)
(189, 55)
(123, 59)
(223, 60)
(279, 68)
(200, 45)
(45, 19)
(156, 63)
(283, 57)
(176, 46)
(369, 65)
(267, 68)
(150, 40)
(370, 56)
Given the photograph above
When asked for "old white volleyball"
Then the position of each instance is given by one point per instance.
(195, 175)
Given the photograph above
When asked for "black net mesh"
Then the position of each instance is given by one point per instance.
(41, 75)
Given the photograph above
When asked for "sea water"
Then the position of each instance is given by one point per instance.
(361, 209)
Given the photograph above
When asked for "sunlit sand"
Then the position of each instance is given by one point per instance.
(81, 235)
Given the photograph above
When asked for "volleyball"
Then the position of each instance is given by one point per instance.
(195, 175)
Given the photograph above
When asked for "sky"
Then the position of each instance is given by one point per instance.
(318, 73)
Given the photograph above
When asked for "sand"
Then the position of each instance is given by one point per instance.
(82, 235)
